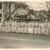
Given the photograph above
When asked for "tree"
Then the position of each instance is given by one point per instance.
(17, 5)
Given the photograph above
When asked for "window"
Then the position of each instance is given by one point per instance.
(0, 5)
(0, 20)
(0, 15)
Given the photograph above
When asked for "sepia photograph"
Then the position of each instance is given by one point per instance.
(24, 24)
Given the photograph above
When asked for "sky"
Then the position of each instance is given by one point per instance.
(37, 5)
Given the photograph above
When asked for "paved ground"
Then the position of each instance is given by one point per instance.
(13, 40)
